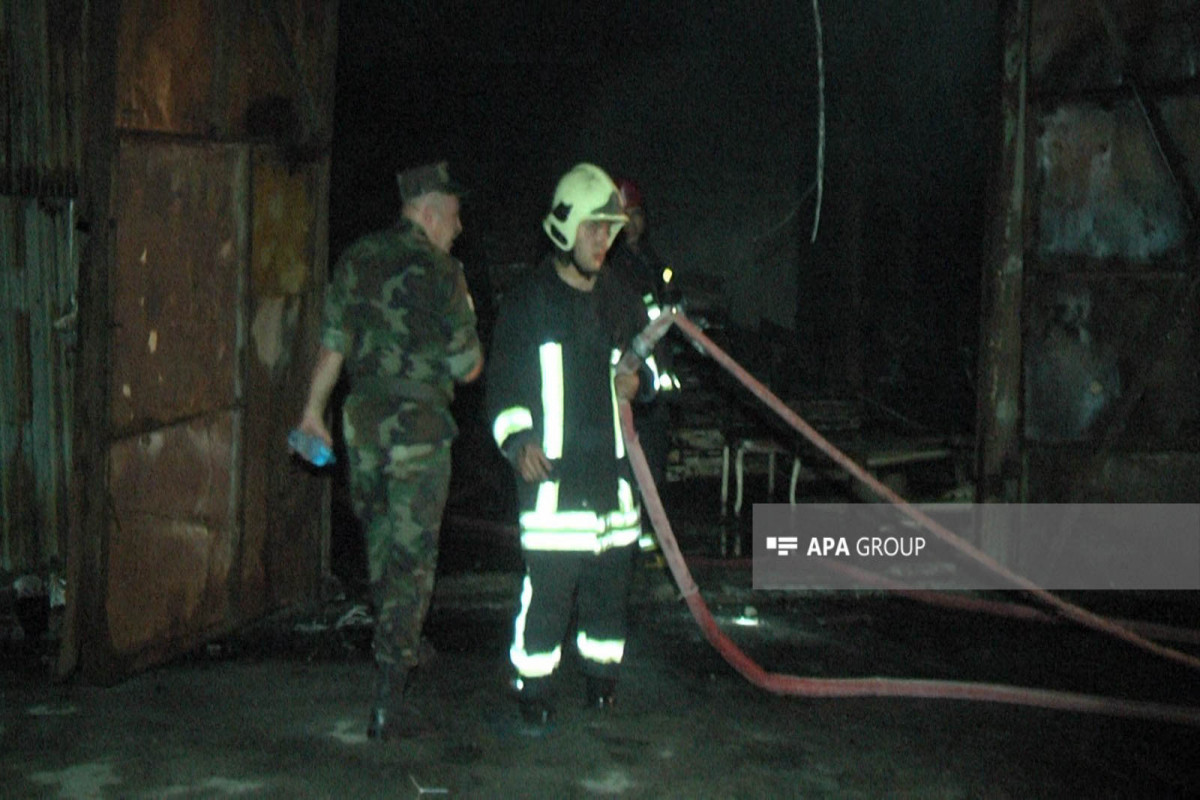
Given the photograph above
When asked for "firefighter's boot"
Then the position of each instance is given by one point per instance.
(601, 693)
(536, 704)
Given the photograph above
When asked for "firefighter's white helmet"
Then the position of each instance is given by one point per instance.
(584, 193)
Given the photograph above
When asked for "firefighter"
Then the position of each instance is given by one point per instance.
(636, 263)
(552, 396)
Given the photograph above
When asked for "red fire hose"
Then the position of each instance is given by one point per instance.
(877, 687)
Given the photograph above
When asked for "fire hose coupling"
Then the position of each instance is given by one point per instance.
(643, 344)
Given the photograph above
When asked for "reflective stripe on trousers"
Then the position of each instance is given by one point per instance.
(599, 584)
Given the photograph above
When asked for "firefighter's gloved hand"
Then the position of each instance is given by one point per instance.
(626, 385)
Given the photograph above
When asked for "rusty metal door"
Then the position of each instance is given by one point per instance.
(176, 399)
(208, 129)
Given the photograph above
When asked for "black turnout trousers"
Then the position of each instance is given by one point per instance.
(594, 586)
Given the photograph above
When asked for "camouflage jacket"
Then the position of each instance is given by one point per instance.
(400, 313)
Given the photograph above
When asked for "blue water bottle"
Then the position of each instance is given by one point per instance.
(310, 448)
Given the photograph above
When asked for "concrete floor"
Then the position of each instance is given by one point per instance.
(279, 710)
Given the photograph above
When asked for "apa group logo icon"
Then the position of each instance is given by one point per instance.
(783, 544)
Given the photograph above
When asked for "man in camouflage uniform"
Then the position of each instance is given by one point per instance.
(399, 318)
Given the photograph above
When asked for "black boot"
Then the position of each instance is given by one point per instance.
(601, 693)
(389, 686)
(537, 708)
(536, 713)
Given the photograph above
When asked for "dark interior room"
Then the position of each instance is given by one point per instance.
(929, 267)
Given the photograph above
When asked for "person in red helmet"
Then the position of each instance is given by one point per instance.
(633, 258)
(635, 263)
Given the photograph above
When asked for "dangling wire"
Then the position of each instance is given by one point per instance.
(816, 4)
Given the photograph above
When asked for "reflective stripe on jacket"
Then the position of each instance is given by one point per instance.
(545, 526)
(550, 382)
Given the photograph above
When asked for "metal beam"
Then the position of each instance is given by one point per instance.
(998, 426)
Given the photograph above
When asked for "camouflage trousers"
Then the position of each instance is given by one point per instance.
(399, 495)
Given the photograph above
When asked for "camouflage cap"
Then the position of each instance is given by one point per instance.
(427, 178)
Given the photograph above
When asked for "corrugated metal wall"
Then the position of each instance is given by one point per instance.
(40, 166)
(37, 293)
(41, 86)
